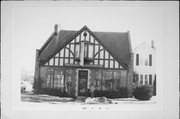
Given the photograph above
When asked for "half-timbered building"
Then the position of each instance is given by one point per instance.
(70, 61)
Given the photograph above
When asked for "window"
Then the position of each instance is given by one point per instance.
(106, 63)
(49, 78)
(106, 55)
(137, 59)
(135, 78)
(77, 50)
(117, 80)
(68, 80)
(90, 51)
(116, 64)
(150, 79)
(58, 79)
(101, 54)
(146, 80)
(111, 63)
(141, 79)
(51, 62)
(85, 50)
(107, 80)
(150, 60)
(56, 61)
(98, 80)
(62, 53)
(66, 52)
(61, 61)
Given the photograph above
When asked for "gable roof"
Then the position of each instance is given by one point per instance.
(116, 43)
(141, 45)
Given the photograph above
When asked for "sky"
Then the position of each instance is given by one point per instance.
(33, 25)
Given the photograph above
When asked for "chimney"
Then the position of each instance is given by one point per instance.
(56, 28)
(152, 44)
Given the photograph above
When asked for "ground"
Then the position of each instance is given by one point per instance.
(30, 97)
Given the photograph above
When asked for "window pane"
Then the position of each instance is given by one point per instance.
(116, 64)
(77, 38)
(72, 41)
(66, 53)
(96, 49)
(85, 50)
(146, 80)
(137, 59)
(106, 55)
(111, 63)
(92, 39)
(96, 62)
(51, 62)
(66, 61)
(71, 61)
(101, 47)
(101, 62)
(101, 54)
(62, 53)
(96, 42)
(90, 51)
(72, 48)
(150, 60)
(77, 50)
(107, 80)
(57, 55)
(106, 63)
(98, 80)
(61, 61)
(56, 61)
(58, 79)
(111, 57)
(71, 55)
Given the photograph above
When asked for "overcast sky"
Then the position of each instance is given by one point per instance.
(33, 25)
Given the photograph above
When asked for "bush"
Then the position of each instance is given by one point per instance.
(120, 93)
(143, 92)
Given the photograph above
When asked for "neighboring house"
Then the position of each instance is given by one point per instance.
(73, 60)
(145, 63)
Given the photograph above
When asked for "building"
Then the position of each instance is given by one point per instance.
(70, 61)
(145, 63)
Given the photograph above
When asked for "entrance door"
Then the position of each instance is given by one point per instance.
(82, 82)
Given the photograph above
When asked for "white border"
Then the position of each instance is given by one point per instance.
(170, 66)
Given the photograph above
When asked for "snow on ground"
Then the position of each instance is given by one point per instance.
(29, 97)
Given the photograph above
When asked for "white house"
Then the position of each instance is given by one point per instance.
(144, 63)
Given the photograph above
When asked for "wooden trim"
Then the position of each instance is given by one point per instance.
(99, 54)
(109, 60)
(103, 58)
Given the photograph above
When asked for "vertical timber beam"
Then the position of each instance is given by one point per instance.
(37, 73)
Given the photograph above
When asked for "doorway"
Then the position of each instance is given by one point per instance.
(82, 82)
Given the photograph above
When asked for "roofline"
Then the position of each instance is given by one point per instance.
(47, 41)
(123, 64)
(138, 46)
(70, 39)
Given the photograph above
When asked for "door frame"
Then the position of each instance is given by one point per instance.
(77, 81)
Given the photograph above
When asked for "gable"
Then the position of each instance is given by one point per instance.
(101, 57)
(115, 43)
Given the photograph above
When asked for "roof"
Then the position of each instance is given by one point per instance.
(116, 43)
(143, 44)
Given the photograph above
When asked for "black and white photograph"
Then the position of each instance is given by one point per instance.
(94, 56)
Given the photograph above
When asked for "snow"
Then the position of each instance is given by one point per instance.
(29, 97)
